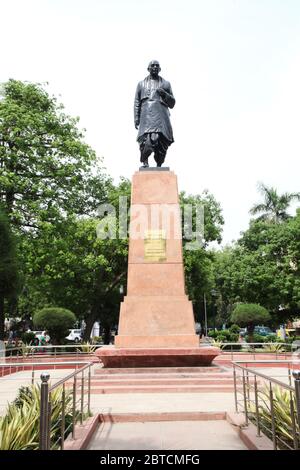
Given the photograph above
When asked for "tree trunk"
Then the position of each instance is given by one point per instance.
(2, 318)
(89, 321)
(107, 334)
(250, 329)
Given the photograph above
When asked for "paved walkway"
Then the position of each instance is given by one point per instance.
(171, 435)
(162, 402)
(10, 384)
(181, 435)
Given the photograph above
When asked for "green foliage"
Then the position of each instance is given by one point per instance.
(272, 339)
(255, 338)
(50, 180)
(57, 321)
(250, 314)
(212, 334)
(274, 208)
(224, 336)
(87, 348)
(45, 167)
(9, 276)
(28, 337)
(97, 340)
(264, 268)
(71, 267)
(19, 427)
(282, 415)
(235, 329)
(198, 263)
(212, 215)
(274, 348)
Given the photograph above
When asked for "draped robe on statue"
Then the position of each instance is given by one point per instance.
(151, 112)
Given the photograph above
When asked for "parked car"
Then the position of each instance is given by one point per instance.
(264, 331)
(74, 335)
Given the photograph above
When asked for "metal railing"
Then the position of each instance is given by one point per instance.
(60, 414)
(280, 350)
(72, 407)
(270, 402)
(55, 351)
(32, 368)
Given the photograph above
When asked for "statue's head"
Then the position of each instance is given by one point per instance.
(154, 68)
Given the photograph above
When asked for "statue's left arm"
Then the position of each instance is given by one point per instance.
(167, 95)
(137, 106)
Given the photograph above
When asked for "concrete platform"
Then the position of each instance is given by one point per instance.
(171, 435)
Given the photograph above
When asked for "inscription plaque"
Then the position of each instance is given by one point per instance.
(155, 245)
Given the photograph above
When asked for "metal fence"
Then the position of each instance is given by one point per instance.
(271, 401)
(75, 404)
(279, 350)
(62, 405)
(53, 351)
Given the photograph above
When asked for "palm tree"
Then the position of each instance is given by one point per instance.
(274, 208)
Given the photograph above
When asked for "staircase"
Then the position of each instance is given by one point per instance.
(161, 380)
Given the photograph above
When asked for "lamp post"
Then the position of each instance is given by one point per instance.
(214, 295)
(205, 316)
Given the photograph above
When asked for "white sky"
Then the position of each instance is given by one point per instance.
(234, 66)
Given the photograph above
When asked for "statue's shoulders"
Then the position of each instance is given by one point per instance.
(165, 82)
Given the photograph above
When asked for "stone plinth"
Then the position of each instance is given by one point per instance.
(157, 357)
(156, 325)
(156, 312)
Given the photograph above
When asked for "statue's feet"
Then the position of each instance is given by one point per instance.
(145, 165)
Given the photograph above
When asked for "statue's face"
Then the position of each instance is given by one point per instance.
(154, 68)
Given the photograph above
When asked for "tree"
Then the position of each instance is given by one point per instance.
(48, 179)
(274, 208)
(198, 263)
(57, 322)
(250, 315)
(46, 170)
(9, 277)
(263, 267)
(69, 266)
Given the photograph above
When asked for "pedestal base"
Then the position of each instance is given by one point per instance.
(160, 357)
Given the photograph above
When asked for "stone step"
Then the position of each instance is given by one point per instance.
(156, 370)
(166, 377)
(183, 382)
(162, 389)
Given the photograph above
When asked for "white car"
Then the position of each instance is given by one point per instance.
(74, 335)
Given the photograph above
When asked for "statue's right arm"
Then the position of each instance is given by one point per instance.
(137, 106)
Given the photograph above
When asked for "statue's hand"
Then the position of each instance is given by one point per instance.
(162, 92)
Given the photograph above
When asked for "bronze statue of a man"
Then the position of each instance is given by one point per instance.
(152, 101)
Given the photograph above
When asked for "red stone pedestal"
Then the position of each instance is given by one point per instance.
(157, 357)
(156, 325)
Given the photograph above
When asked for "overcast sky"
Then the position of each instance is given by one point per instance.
(234, 66)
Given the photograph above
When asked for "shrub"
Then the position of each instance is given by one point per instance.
(28, 337)
(250, 315)
(272, 339)
(227, 336)
(212, 334)
(57, 321)
(255, 338)
(282, 416)
(234, 329)
(19, 428)
(97, 339)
